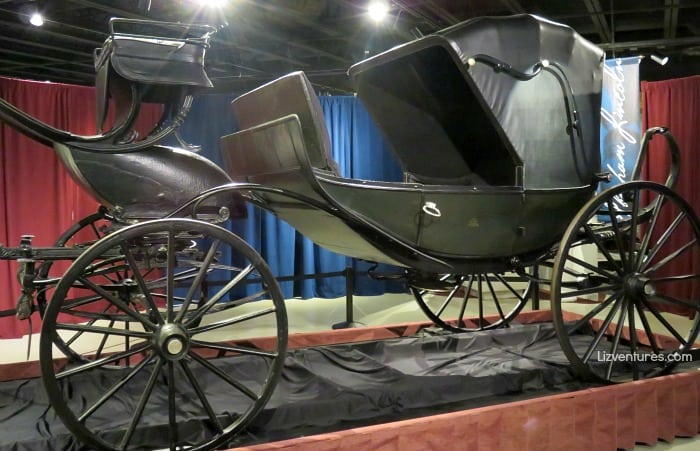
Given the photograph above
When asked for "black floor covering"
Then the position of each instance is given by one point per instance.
(340, 386)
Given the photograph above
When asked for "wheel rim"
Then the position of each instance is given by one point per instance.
(159, 305)
(612, 316)
(83, 233)
(474, 302)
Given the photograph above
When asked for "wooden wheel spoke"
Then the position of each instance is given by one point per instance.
(593, 268)
(480, 287)
(204, 308)
(662, 240)
(670, 257)
(161, 282)
(520, 297)
(106, 266)
(480, 294)
(211, 253)
(601, 247)
(118, 303)
(161, 273)
(170, 275)
(95, 316)
(222, 306)
(586, 291)
(618, 335)
(103, 341)
(647, 329)
(633, 339)
(107, 274)
(617, 233)
(89, 323)
(234, 349)
(165, 296)
(600, 333)
(103, 361)
(674, 300)
(232, 382)
(202, 396)
(654, 311)
(208, 307)
(141, 282)
(590, 315)
(102, 330)
(638, 249)
(463, 309)
(113, 389)
(231, 321)
(70, 304)
(495, 299)
(449, 297)
(679, 278)
(632, 244)
(644, 246)
(138, 413)
(172, 412)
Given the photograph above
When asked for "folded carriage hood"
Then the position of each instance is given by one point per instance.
(477, 116)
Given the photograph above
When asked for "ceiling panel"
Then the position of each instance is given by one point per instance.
(261, 39)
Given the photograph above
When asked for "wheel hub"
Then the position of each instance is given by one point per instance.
(172, 341)
(639, 287)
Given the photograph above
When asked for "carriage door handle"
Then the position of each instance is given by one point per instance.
(431, 209)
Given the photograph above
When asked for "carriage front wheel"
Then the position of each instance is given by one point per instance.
(472, 302)
(626, 283)
(163, 318)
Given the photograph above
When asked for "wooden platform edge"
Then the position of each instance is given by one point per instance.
(603, 418)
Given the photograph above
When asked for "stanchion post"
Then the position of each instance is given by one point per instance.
(536, 288)
(349, 307)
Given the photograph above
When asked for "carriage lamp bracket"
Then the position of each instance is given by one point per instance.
(605, 177)
(25, 276)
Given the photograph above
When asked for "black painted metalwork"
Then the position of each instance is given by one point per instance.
(500, 147)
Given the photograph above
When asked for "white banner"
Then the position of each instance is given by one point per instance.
(620, 122)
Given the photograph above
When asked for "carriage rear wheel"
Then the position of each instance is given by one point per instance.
(465, 303)
(613, 310)
(167, 328)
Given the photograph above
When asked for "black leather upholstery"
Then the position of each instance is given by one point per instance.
(290, 94)
(135, 68)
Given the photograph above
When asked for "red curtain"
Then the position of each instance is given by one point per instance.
(37, 196)
(676, 104)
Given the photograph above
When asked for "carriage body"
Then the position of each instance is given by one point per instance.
(496, 124)
(147, 184)
(495, 166)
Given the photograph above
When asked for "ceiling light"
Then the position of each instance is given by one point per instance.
(660, 59)
(36, 19)
(212, 3)
(378, 10)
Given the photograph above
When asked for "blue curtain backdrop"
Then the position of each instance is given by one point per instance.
(361, 153)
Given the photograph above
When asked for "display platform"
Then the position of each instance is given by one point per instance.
(407, 387)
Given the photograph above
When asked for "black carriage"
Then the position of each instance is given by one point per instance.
(496, 124)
